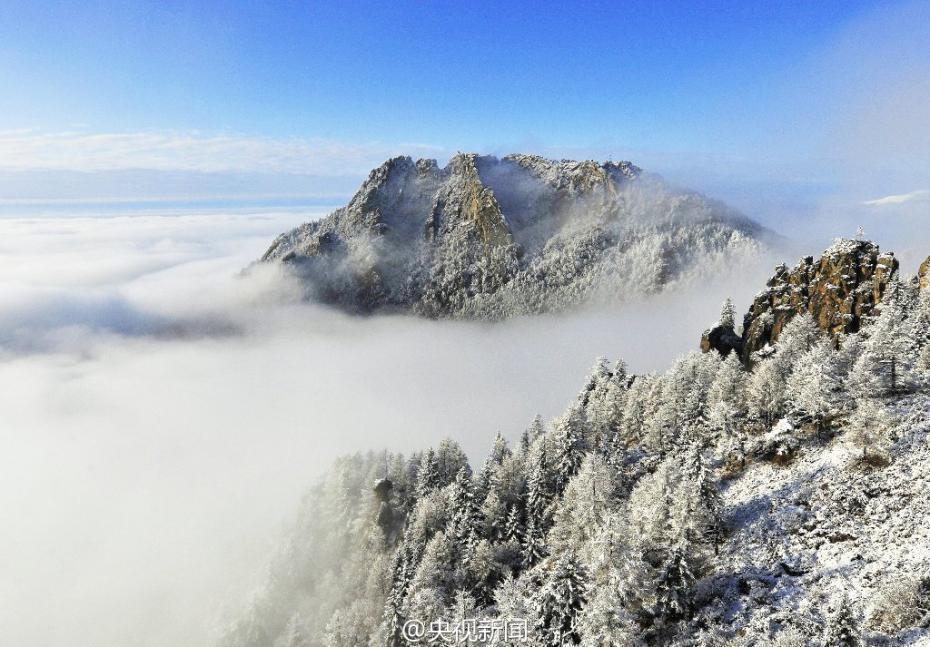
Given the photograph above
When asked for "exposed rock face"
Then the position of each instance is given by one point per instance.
(491, 238)
(923, 275)
(838, 290)
(722, 339)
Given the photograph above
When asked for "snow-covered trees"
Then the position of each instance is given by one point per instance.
(891, 349)
(608, 618)
(428, 474)
(727, 315)
(868, 429)
(559, 601)
(768, 385)
(568, 448)
(814, 387)
(608, 527)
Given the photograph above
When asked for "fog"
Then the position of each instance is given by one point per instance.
(162, 414)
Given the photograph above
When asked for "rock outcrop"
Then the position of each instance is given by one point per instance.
(839, 289)
(491, 238)
(723, 339)
(923, 274)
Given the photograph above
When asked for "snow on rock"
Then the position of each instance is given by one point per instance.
(492, 238)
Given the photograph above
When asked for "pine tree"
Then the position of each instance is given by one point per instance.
(673, 584)
(513, 529)
(449, 460)
(534, 544)
(466, 521)
(702, 515)
(633, 421)
(534, 431)
(814, 386)
(606, 619)
(729, 385)
(559, 601)
(765, 392)
(393, 615)
(727, 314)
(891, 349)
(569, 449)
(620, 375)
(868, 428)
(539, 488)
(428, 474)
(767, 389)
(440, 567)
(843, 627)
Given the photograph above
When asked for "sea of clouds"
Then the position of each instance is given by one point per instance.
(161, 413)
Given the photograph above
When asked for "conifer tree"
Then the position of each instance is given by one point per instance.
(843, 627)
(534, 544)
(465, 523)
(727, 315)
(428, 474)
(703, 507)
(767, 390)
(891, 347)
(814, 386)
(868, 428)
(633, 421)
(559, 601)
(513, 529)
(729, 385)
(569, 449)
(449, 460)
(673, 584)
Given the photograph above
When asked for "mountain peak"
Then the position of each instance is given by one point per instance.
(495, 237)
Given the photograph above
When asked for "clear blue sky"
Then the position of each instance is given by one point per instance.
(648, 73)
(730, 85)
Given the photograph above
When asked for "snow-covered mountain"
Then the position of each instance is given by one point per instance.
(491, 238)
(778, 501)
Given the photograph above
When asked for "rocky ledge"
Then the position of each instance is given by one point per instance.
(839, 290)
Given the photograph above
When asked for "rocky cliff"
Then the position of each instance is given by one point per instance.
(839, 290)
(923, 275)
(491, 238)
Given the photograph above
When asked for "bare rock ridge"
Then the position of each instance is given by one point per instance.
(490, 238)
(840, 289)
(923, 274)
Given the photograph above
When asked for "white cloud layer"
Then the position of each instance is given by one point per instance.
(195, 152)
(922, 195)
(161, 414)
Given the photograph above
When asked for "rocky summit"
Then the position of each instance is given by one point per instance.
(490, 238)
(839, 290)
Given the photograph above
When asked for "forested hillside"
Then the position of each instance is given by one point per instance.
(775, 498)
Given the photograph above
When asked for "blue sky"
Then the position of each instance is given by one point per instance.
(660, 74)
(765, 93)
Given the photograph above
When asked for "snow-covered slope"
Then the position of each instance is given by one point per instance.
(779, 502)
(491, 238)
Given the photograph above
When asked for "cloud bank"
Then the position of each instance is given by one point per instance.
(162, 414)
(193, 151)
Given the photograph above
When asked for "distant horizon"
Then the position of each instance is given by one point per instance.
(775, 108)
